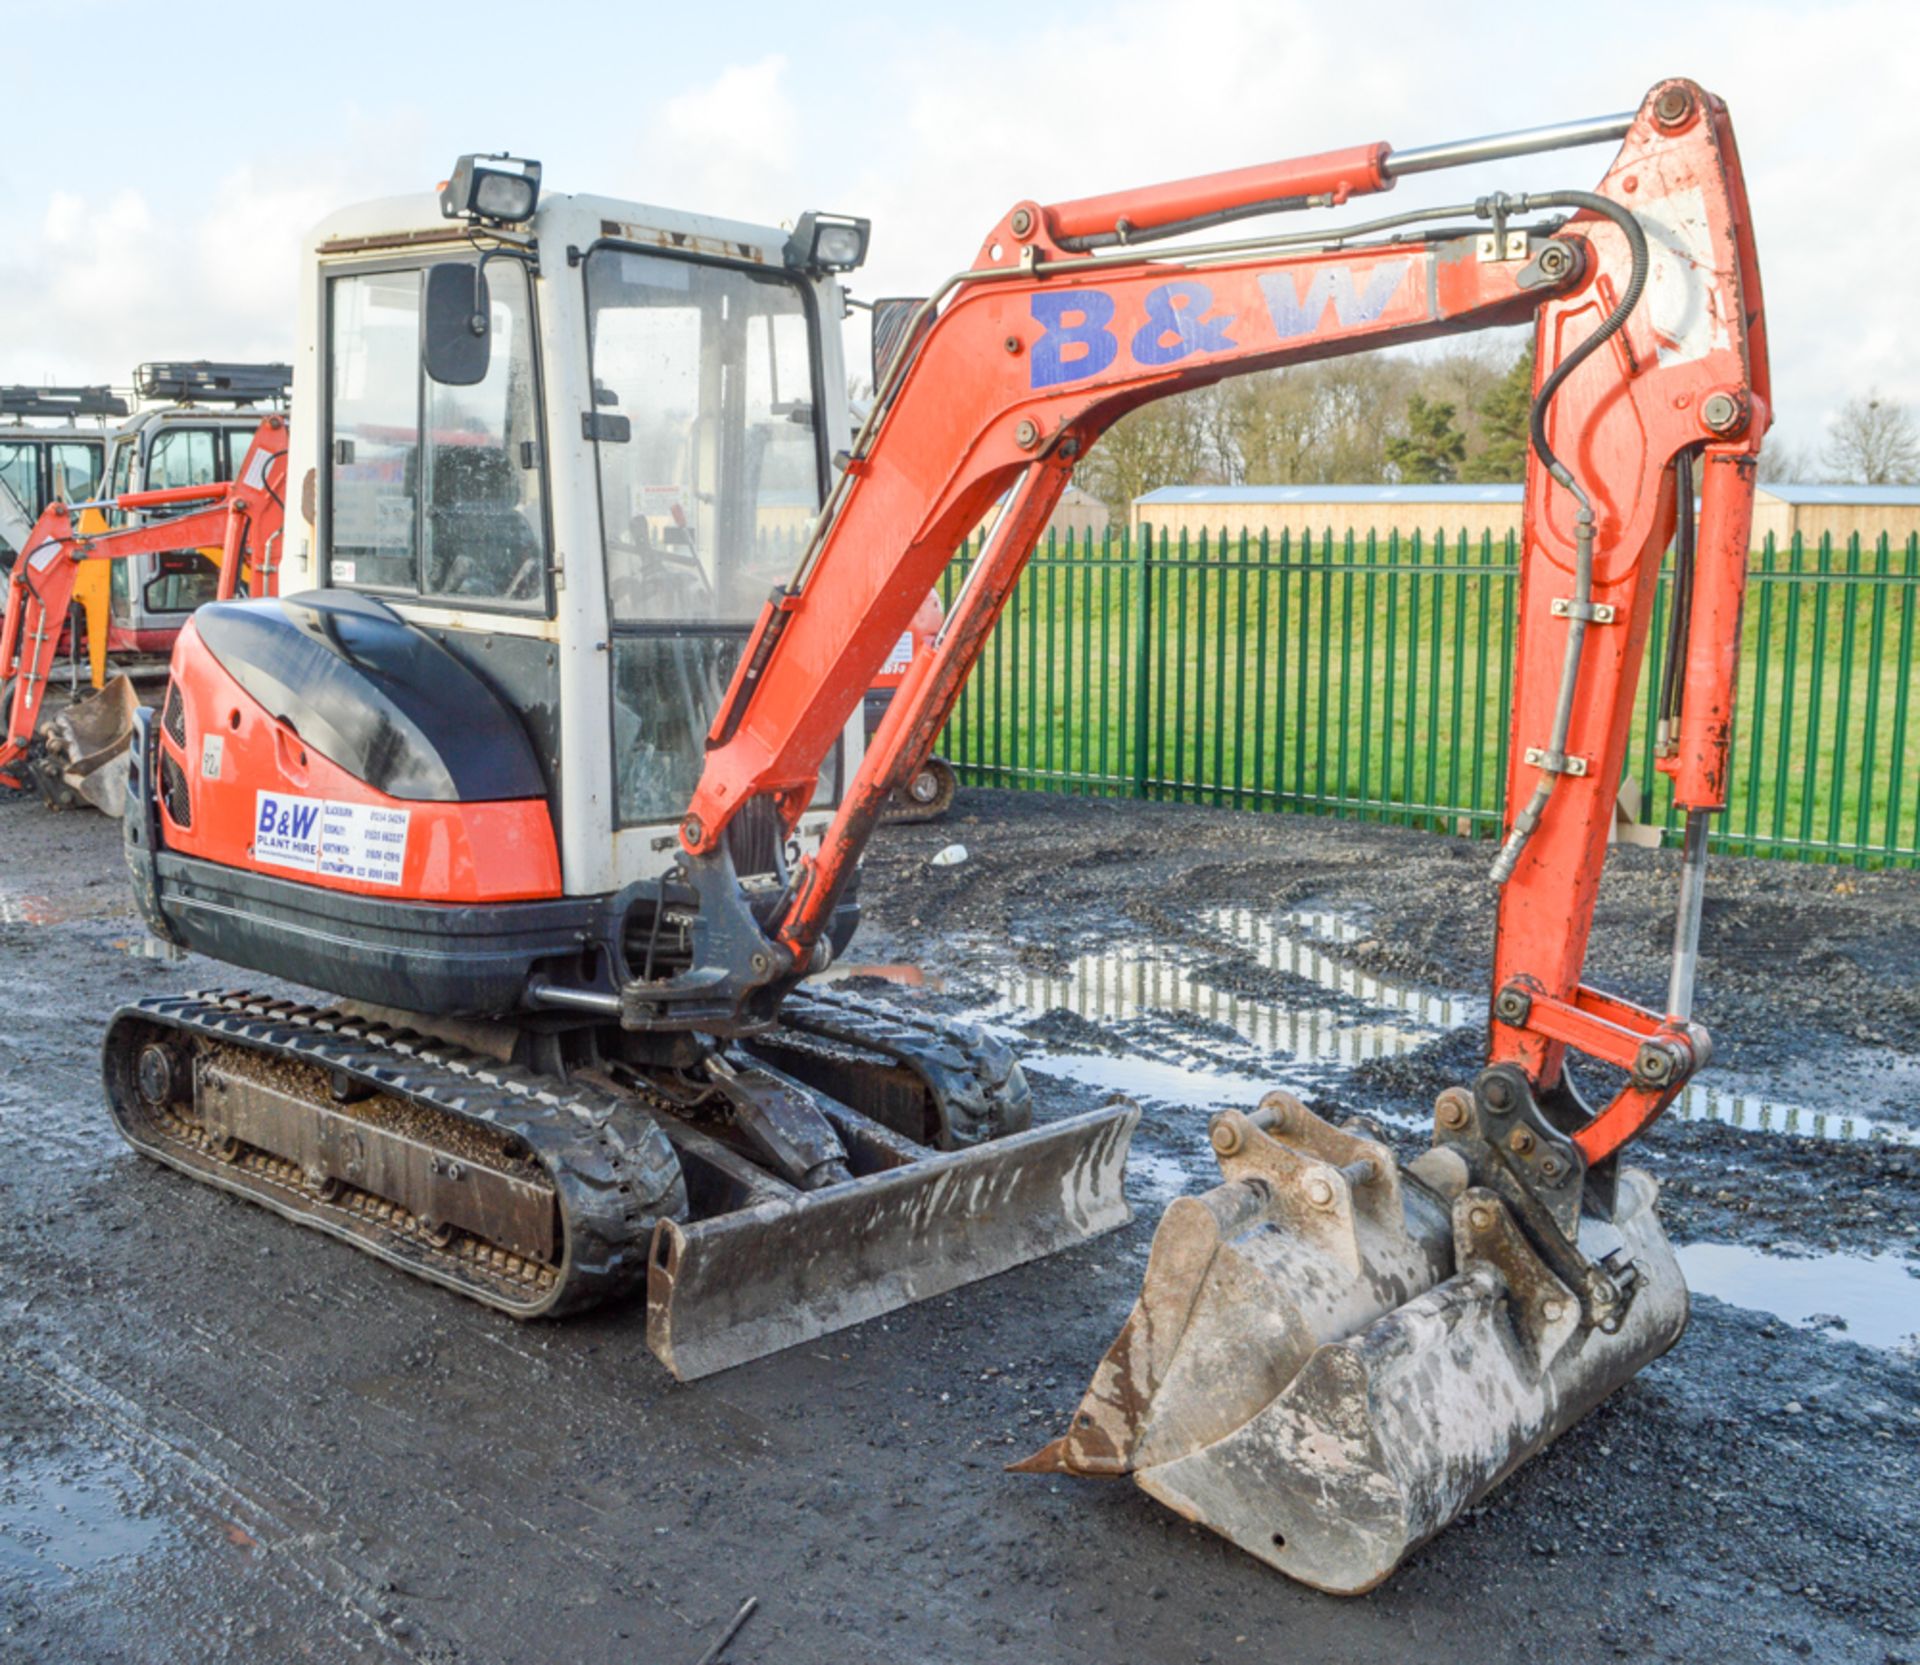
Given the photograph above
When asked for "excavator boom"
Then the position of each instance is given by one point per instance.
(1258, 1335)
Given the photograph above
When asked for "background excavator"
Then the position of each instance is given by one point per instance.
(557, 778)
(928, 793)
(127, 595)
(68, 548)
(53, 447)
(194, 425)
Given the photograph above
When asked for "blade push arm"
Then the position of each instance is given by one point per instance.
(241, 516)
(1649, 348)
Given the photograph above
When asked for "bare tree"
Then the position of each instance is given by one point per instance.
(1161, 444)
(1872, 442)
(1781, 463)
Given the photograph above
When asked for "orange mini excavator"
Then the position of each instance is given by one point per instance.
(240, 517)
(549, 761)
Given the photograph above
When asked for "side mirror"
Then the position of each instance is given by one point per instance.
(892, 319)
(456, 327)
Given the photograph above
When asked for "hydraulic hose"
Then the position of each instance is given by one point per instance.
(1553, 760)
(1680, 613)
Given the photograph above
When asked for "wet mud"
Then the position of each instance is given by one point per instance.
(221, 1439)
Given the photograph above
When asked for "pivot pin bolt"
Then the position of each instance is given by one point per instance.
(1512, 1006)
(1021, 223)
(1673, 107)
(1027, 435)
(1720, 412)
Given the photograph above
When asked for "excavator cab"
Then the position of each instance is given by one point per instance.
(53, 443)
(550, 456)
(194, 427)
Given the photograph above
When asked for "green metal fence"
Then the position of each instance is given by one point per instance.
(1370, 678)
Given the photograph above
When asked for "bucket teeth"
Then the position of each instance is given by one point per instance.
(1329, 1359)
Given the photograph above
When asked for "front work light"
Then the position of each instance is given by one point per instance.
(828, 243)
(479, 190)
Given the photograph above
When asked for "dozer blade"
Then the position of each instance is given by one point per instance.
(1331, 1358)
(789, 1268)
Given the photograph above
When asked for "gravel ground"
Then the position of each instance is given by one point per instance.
(220, 1438)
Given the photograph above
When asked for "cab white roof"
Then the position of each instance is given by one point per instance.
(572, 220)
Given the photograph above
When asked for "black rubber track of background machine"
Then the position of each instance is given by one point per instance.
(975, 1079)
(613, 1171)
(903, 809)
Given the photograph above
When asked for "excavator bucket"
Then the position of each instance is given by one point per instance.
(783, 1270)
(85, 742)
(1332, 1356)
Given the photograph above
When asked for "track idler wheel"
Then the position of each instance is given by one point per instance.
(927, 796)
(1332, 1357)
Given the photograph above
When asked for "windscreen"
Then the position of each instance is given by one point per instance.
(709, 465)
(704, 425)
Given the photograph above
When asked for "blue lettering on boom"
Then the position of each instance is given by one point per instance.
(1180, 310)
(1298, 312)
(1091, 311)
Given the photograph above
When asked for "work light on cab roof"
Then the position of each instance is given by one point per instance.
(828, 243)
(498, 195)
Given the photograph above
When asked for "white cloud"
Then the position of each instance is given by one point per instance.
(1820, 97)
(934, 128)
(726, 147)
(114, 281)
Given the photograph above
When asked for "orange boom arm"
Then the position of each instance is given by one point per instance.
(1650, 351)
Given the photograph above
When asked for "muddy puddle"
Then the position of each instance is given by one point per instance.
(97, 901)
(1871, 1299)
(150, 947)
(1133, 991)
(1191, 1040)
(63, 1517)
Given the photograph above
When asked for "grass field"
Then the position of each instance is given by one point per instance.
(1371, 679)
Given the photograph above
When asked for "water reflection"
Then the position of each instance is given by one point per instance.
(1871, 1299)
(1126, 988)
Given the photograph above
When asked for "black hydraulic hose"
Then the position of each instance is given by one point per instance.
(1552, 760)
(1680, 614)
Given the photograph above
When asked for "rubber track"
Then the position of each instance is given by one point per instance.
(978, 1078)
(900, 810)
(613, 1168)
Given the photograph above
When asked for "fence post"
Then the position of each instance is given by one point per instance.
(1142, 651)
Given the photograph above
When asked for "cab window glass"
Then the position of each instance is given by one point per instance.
(20, 468)
(710, 481)
(184, 581)
(121, 481)
(76, 472)
(434, 489)
(182, 457)
(376, 429)
(709, 460)
(485, 532)
(20, 472)
(238, 442)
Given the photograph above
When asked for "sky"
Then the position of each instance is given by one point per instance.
(165, 159)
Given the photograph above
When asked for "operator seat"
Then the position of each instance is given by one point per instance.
(478, 541)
